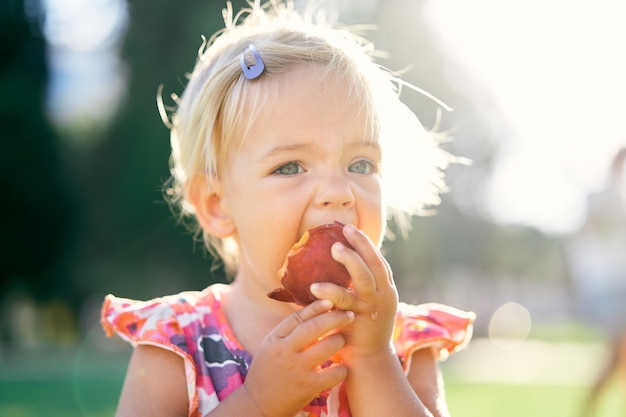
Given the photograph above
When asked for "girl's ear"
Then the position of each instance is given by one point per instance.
(204, 194)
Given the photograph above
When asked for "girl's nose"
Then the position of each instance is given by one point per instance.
(335, 191)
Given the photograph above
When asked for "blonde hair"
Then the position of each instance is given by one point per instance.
(209, 119)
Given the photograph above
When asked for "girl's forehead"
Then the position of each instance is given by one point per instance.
(312, 94)
(302, 77)
(294, 103)
(304, 85)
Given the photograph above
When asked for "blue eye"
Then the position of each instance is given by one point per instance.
(361, 167)
(290, 168)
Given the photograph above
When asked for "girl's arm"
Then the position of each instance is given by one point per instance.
(281, 380)
(427, 382)
(376, 384)
(155, 384)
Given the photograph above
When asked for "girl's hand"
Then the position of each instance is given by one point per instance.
(373, 297)
(285, 374)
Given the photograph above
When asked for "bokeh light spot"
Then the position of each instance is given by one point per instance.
(510, 325)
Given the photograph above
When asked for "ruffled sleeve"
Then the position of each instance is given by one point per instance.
(155, 322)
(444, 329)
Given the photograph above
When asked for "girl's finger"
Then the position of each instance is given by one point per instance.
(330, 376)
(311, 330)
(370, 256)
(288, 325)
(364, 283)
(342, 298)
(325, 348)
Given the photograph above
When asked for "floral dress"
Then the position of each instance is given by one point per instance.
(193, 325)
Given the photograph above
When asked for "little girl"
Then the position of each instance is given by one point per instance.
(286, 124)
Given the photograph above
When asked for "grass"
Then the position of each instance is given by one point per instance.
(491, 400)
(96, 397)
(85, 382)
(59, 398)
(76, 381)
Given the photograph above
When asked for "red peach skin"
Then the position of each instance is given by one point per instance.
(309, 261)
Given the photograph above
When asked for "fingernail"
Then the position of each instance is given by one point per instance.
(350, 314)
(315, 288)
(338, 246)
(350, 229)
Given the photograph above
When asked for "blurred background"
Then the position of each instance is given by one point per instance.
(537, 88)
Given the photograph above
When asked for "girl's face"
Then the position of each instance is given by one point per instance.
(309, 159)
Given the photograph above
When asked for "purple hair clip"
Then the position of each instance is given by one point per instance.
(252, 71)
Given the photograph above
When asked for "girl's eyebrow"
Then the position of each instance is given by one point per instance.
(365, 144)
(308, 147)
(303, 147)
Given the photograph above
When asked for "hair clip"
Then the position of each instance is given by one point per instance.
(252, 71)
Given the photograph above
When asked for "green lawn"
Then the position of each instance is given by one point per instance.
(83, 382)
(59, 398)
(76, 381)
(503, 400)
(97, 397)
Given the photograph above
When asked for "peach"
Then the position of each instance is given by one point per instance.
(309, 261)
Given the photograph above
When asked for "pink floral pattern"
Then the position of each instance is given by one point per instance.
(193, 325)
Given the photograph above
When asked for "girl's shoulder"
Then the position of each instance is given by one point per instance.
(443, 328)
(193, 325)
(161, 319)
